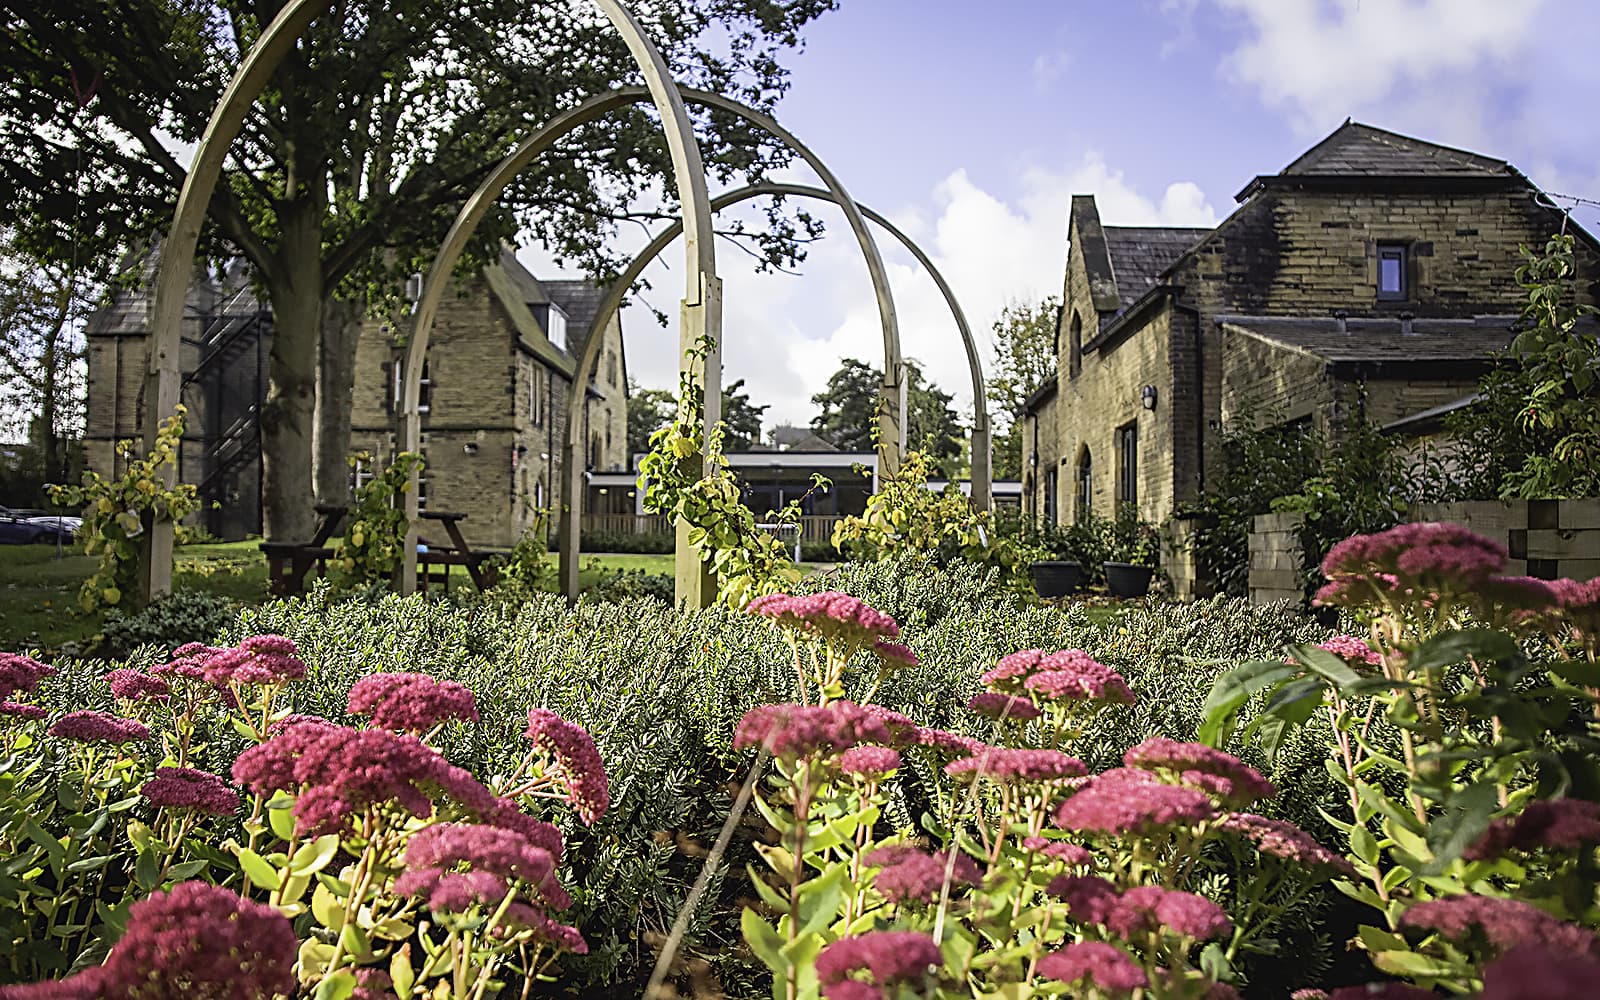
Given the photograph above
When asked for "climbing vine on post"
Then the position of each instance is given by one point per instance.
(117, 512)
(375, 529)
(747, 561)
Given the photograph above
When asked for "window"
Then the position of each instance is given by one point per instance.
(536, 377)
(1050, 497)
(556, 327)
(1128, 464)
(611, 367)
(1075, 347)
(1393, 280)
(594, 452)
(397, 386)
(1085, 498)
(361, 470)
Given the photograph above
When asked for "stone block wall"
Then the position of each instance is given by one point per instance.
(1178, 561)
(1275, 558)
(1562, 539)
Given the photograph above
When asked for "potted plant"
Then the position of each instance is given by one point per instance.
(1133, 555)
(1055, 568)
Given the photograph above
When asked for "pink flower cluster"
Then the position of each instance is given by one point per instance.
(1503, 924)
(90, 726)
(904, 733)
(913, 875)
(21, 710)
(1002, 764)
(1283, 839)
(1105, 965)
(1535, 972)
(187, 788)
(790, 732)
(21, 673)
(136, 685)
(1071, 855)
(832, 616)
(1143, 910)
(1199, 766)
(1125, 801)
(886, 957)
(1549, 824)
(1422, 558)
(411, 702)
(188, 661)
(576, 757)
(1067, 675)
(260, 659)
(341, 772)
(454, 866)
(1352, 650)
(1005, 707)
(894, 655)
(869, 761)
(198, 941)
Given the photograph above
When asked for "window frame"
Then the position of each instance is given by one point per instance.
(1400, 252)
(1128, 463)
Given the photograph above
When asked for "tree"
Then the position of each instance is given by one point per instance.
(651, 409)
(370, 135)
(1024, 339)
(741, 420)
(42, 304)
(850, 403)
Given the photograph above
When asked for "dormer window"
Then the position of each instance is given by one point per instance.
(556, 327)
(1393, 278)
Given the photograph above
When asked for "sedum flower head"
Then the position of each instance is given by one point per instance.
(1353, 650)
(832, 616)
(188, 788)
(1005, 707)
(411, 702)
(790, 732)
(894, 655)
(20, 710)
(1421, 558)
(1125, 801)
(562, 936)
(90, 726)
(258, 660)
(1547, 824)
(136, 685)
(1537, 972)
(1501, 923)
(1071, 855)
(21, 673)
(576, 757)
(455, 866)
(915, 876)
(1283, 839)
(1105, 965)
(1002, 764)
(886, 957)
(1199, 766)
(869, 761)
(1073, 675)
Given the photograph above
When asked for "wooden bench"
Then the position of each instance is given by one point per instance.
(434, 561)
(289, 562)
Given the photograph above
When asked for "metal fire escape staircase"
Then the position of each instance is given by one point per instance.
(232, 332)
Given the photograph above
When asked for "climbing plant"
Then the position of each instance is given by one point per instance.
(116, 512)
(375, 532)
(682, 479)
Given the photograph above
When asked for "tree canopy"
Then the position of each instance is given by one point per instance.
(849, 407)
(651, 409)
(1024, 339)
(354, 162)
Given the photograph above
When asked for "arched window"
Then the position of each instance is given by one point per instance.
(1075, 346)
(1085, 490)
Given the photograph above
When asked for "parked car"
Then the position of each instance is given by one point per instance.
(34, 527)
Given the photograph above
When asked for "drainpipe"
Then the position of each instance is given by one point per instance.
(1199, 392)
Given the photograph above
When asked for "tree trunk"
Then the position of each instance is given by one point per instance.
(287, 419)
(341, 333)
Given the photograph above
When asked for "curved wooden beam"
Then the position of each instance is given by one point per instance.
(569, 531)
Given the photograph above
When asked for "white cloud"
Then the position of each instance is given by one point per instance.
(786, 334)
(1048, 67)
(1423, 60)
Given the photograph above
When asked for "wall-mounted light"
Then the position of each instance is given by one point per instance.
(1147, 396)
(1033, 459)
(471, 447)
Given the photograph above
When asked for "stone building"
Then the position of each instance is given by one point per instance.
(1375, 273)
(497, 386)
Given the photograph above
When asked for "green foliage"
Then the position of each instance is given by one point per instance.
(627, 585)
(904, 516)
(1024, 341)
(373, 545)
(643, 542)
(649, 410)
(167, 622)
(116, 512)
(740, 417)
(1254, 468)
(850, 406)
(527, 569)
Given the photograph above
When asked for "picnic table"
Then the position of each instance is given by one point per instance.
(288, 562)
(434, 560)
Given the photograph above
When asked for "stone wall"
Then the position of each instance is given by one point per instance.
(1275, 558)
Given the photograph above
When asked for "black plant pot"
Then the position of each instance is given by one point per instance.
(1128, 580)
(1055, 578)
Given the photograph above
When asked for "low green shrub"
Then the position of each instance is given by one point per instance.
(630, 585)
(168, 621)
(645, 543)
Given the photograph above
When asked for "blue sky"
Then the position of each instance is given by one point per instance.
(972, 122)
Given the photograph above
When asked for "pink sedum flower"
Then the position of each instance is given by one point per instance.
(1410, 559)
(20, 710)
(834, 617)
(869, 761)
(953, 744)
(1072, 675)
(1206, 768)
(912, 875)
(99, 727)
(411, 702)
(1352, 650)
(576, 758)
(894, 655)
(1382, 991)
(562, 936)
(1546, 824)
(888, 958)
(1071, 855)
(136, 685)
(187, 788)
(790, 732)
(1002, 764)
(1126, 801)
(1105, 965)
(21, 673)
(1534, 972)
(1150, 908)
(852, 989)
(1004, 707)
(1011, 670)
(258, 660)
(1502, 923)
(454, 866)
(1282, 839)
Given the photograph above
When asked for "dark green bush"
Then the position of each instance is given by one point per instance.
(649, 543)
(168, 621)
(630, 585)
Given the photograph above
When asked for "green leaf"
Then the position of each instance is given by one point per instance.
(768, 894)
(763, 940)
(339, 986)
(1327, 664)
(280, 815)
(820, 898)
(258, 870)
(1232, 690)
(314, 856)
(1413, 965)
(146, 870)
(401, 973)
(1467, 813)
(89, 864)
(1486, 645)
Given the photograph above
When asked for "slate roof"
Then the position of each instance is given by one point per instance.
(1139, 254)
(580, 300)
(1355, 148)
(1368, 340)
(531, 289)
